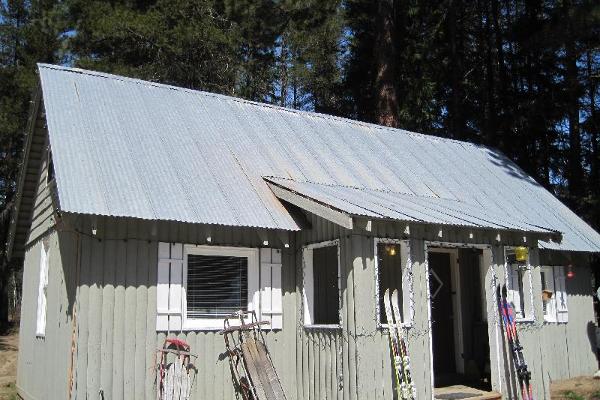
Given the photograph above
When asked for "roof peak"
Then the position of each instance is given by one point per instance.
(249, 102)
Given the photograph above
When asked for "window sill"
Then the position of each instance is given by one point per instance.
(323, 326)
(525, 320)
(404, 325)
(555, 322)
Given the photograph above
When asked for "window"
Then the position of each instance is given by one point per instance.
(217, 282)
(321, 284)
(393, 268)
(198, 286)
(554, 296)
(40, 329)
(519, 285)
(217, 286)
(50, 172)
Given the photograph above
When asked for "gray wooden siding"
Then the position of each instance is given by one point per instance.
(43, 204)
(43, 362)
(115, 292)
(35, 201)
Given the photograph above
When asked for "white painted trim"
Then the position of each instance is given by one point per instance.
(551, 317)
(440, 246)
(323, 326)
(42, 303)
(252, 254)
(456, 303)
(497, 321)
(308, 284)
(407, 289)
(530, 316)
(429, 324)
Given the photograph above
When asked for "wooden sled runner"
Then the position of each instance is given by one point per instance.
(250, 362)
(175, 372)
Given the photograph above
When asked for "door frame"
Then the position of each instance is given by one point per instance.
(455, 292)
(485, 262)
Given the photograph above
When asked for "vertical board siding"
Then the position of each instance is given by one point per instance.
(114, 296)
(44, 362)
(117, 338)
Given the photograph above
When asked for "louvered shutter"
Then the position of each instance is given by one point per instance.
(514, 296)
(562, 312)
(271, 308)
(169, 287)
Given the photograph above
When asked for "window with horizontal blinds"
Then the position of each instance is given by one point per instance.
(217, 286)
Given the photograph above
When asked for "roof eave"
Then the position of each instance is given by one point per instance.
(29, 131)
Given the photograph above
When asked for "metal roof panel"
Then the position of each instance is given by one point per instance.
(127, 147)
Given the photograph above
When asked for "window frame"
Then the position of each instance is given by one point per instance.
(528, 296)
(408, 305)
(548, 317)
(252, 254)
(306, 315)
(558, 274)
(42, 301)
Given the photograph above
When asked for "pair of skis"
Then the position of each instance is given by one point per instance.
(510, 327)
(405, 387)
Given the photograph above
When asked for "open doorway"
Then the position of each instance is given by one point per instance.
(460, 343)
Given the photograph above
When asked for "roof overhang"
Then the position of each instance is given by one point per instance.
(342, 205)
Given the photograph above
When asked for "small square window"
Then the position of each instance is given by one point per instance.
(321, 285)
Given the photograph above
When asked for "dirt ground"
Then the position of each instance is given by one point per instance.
(8, 365)
(582, 388)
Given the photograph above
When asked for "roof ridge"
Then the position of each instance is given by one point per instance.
(253, 103)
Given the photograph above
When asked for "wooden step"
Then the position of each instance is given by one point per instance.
(458, 392)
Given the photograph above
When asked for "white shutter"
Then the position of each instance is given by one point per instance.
(271, 308)
(514, 296)
(169, 287)
(562, 312)
(548, 281)
(40, 329)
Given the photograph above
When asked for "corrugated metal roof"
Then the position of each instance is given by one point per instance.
(386, 204)
(127, 147)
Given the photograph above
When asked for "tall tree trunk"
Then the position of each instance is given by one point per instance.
(284, 71)
(502, 130)
(490, 92)
(594, 129)
(386, 94)
(574, 174)
(455, 112)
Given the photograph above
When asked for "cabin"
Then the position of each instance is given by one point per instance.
(147, 211)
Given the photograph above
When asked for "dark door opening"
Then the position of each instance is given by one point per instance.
(442, 318)
(459, 320)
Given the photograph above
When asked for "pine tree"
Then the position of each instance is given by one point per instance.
(30, 31)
